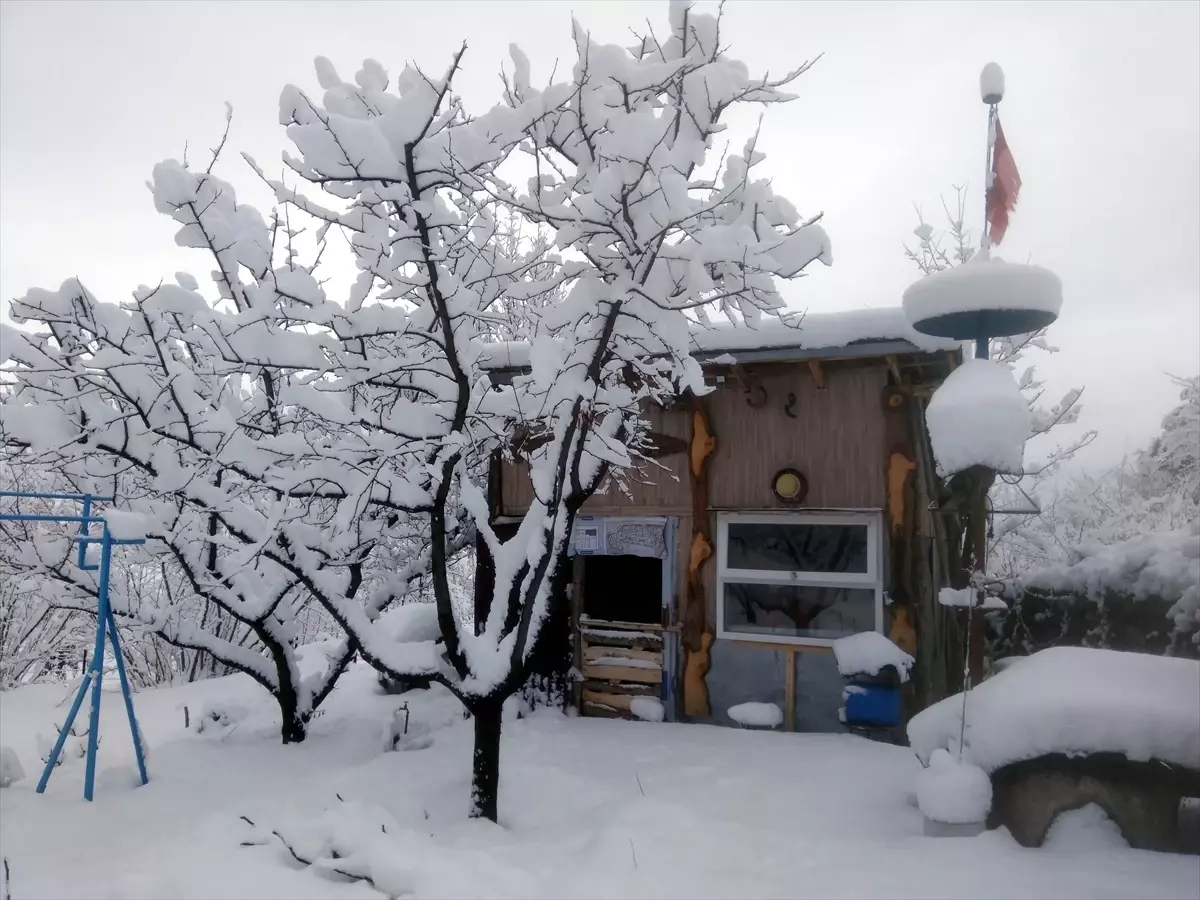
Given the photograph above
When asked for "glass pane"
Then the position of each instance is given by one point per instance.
(798, 610)
(797, 547)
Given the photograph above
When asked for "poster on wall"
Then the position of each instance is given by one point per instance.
(619, 536)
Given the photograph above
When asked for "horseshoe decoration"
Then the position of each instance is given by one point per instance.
(756, 396)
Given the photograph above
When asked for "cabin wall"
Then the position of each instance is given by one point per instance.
(835, 435)
(836, 439)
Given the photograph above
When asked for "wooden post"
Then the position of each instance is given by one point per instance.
(977, 529)
(697, 637)
(789, 690)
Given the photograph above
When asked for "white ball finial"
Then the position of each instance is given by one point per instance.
(991, 84)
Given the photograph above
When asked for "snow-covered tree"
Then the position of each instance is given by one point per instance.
(937, 250)
(285, 439)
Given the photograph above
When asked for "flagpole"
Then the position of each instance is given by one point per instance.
(991, 91)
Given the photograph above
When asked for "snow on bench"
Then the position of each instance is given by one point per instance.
(1073, 701)
(869, 653)
(756, 715)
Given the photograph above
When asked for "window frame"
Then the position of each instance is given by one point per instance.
(872, 579)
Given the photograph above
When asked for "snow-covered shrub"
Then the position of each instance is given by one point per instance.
(952, 791)
(75, 746)
(10, 766)
(218, 716)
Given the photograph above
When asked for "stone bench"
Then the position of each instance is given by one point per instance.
(1141, 798)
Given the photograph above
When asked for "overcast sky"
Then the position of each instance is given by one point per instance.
(1102, 113)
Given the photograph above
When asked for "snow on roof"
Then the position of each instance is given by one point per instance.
(1163, 565)
(1072, 700)
(829, 331)
(978, 417)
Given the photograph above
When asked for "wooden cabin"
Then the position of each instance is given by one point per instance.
(786, 509)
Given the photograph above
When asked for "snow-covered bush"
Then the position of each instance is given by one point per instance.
(217, 716)
(952, 791)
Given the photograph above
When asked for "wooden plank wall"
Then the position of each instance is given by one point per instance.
(836, 438)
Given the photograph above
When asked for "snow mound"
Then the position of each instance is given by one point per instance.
(869, 653)
(979, 418)
(1164, 565)
(981, 285)
(1085, 830)
(953, 791)
(757, 715)
(10, 767)
(411, 623)
(1072, 700)
(648, 709)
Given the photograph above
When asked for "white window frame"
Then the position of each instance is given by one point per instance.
(872, 579)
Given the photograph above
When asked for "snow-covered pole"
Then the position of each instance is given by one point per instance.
(991, 91)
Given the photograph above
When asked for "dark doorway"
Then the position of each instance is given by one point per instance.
(623, 589)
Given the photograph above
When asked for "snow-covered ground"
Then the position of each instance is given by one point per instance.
(589, 808)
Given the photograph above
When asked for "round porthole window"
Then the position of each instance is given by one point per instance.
(790, 486)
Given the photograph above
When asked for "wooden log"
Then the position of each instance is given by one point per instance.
(593, 652)
(696, 666)
(697, 638)
(622, 673)
(607, 625)
(601, 711)
(648, 642)
(612, 701)
(818, 374)
(623, 687)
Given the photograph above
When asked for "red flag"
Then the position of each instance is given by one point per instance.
(1006, 185)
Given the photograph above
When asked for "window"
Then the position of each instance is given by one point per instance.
(798, 578)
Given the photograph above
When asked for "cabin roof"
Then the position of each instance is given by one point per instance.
(852, 333)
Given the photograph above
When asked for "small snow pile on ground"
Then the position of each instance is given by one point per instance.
(868, 653)
(984, 283)
(1085, 830)
(966, 597)
(979, 418)
(953, 791)
(10, 767)
(648, 709)
(1164, 565)
(757, 715)
(1072, 700)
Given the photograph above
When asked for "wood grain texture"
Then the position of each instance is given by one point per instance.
(836, 439)
(695, 690)
(594, 672)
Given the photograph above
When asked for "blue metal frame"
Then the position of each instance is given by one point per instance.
(106, 624)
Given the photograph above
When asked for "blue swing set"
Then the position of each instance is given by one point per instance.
(106, 624)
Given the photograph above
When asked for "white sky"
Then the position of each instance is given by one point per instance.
(1102, 113)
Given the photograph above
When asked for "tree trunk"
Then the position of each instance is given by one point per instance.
(295, 728)
(485, 772)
